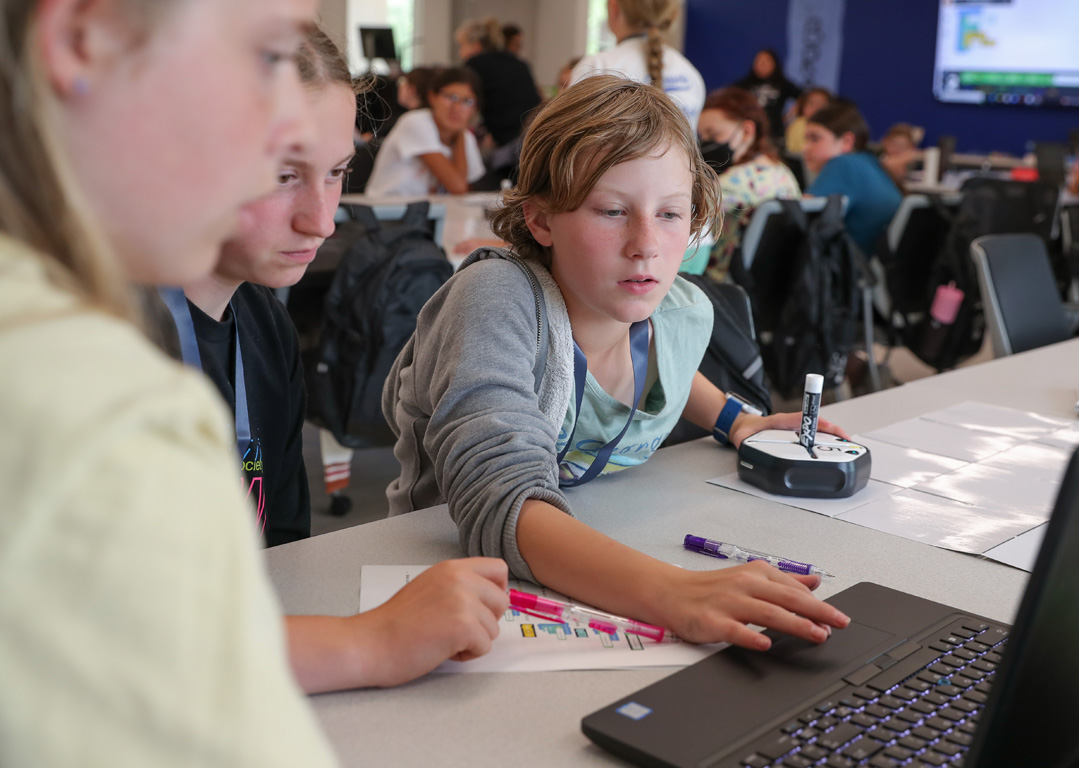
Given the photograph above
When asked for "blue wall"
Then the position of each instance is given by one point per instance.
(888, 50)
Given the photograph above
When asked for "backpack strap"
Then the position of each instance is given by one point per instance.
(416, 214)
(795, 213)
(364, 214)
(543, 332)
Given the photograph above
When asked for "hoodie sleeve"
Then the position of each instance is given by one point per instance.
(470, 429)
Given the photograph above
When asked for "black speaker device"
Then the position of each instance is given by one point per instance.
(776, 462)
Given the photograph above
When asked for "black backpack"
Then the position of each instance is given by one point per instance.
(818, 321)
(732, 360)
(989, 206)
(386, 274)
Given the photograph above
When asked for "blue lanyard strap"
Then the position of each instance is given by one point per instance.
(189, 350)
(638, 351)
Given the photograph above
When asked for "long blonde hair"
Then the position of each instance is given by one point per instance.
(585, 131)
(39, 203)
(653, 17)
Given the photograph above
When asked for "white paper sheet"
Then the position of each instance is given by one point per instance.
(944, 439)
(1020, 552)
(1024, 425)
(529, 644)
(994, 487)
(942, 522)
(905, 467)
(1068, 437)
(1044, 462)
(830, 507)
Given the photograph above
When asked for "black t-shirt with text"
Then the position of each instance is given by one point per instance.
(275, 479)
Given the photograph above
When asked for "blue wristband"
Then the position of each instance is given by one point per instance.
(721, 431)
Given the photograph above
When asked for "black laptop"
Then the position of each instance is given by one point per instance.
(909, 683)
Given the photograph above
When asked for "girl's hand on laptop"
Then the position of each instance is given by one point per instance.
(713, 606)
(750, 424)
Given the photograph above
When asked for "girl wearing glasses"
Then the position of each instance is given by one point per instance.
(432, 150)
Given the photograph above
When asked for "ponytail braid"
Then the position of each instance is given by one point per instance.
(654, 56)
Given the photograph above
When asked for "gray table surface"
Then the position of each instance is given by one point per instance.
(534, 718)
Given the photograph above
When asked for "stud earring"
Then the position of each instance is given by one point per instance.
(81, 86)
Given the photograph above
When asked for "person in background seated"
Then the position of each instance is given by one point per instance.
(771, 88)
(733, 120)
(899, 149)
(807, 105)
(432, 150)
(836, 138)
(641, 54)
(507, 89)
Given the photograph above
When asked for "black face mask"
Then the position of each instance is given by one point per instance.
(717, 154)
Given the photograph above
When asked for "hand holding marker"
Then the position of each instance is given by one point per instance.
(811, 411)
(556, 610)
(731, 552)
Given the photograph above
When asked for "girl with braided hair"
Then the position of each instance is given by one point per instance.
(641, 54)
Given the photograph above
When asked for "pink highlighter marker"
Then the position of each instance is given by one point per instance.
(556, 610)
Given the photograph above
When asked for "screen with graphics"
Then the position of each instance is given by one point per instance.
(1022, 52)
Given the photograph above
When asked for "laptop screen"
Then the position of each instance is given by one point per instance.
(1030, 713)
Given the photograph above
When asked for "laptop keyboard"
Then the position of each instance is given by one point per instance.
(920, 711)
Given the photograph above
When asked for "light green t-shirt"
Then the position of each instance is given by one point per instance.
(681, 328)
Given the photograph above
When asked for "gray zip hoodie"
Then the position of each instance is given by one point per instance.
(471, 430)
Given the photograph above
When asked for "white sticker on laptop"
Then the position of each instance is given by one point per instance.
(633, 710)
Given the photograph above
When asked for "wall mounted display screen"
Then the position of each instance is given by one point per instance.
(1021, 52)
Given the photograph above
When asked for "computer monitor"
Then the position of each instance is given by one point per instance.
(377, 43)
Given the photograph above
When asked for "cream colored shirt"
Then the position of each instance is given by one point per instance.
(137, 624)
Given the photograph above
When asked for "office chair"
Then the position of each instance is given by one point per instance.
(1022, 307)
(904, 264)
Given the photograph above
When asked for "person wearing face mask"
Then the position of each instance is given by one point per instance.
(734, 135)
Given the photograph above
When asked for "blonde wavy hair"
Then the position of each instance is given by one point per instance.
(653, 17)
(585, 131)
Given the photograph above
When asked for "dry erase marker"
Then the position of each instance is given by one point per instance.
(556, 610)
(810, 411)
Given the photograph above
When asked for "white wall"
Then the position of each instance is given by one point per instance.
(434, 32)
(561, 34)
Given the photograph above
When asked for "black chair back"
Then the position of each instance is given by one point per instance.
(1022, 306)
(769, 244)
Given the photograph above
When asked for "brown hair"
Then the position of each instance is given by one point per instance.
(486, 32)
(321, 63)
(800, 104)
(739, 104)
(582, 133)
(452, 76)
(654, 17)
(841, 116)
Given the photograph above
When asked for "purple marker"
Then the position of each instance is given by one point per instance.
(811, 411)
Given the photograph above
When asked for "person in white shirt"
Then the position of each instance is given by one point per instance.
(432, 150)
(641, 55)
